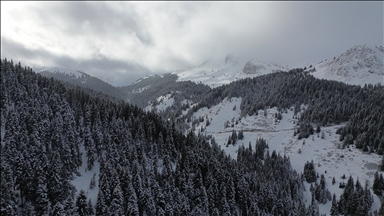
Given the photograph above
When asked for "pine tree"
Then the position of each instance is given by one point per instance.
(334, 210)
(132, 207)
(90, 209)
(81, 203)
(8, 199)
(58, 209)
(116, 206)
(101, 207)
(377, 187)
(309, 172)
(313, 208)
(301, 210)
(27, 209)
(241, 134)
(382, 164)
(42, 201)
(92, 184)
(381, 210)
(69, 207)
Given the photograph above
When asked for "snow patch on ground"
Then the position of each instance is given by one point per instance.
(82, 182)
(136, 91)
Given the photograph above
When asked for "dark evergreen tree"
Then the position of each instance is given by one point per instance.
(378, 184)
(92, 184)
(81, 204)
(42, 201)
(382, 164)
(310, 172)
(90, 209)
(334, 210)
(241, 135)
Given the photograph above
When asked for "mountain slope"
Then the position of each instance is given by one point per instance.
(350, 140)
(56, 139)
(359, 65)
(324, 148)
(83, 80)
(147, 91)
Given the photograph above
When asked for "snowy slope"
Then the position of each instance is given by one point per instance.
(217, 72)
(358, 65)
(163, 102)
(64, 70)
(329, 158)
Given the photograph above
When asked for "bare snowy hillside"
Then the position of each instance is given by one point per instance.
(217, 72)
(359, 65)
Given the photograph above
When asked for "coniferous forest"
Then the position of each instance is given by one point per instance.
(149, 167)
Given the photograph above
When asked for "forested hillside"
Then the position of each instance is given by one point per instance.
(146, 166)
(328, 102)
(145, 91)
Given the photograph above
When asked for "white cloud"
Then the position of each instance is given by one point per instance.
(165, 36)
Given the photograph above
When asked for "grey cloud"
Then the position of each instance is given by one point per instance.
(308, 32)
(16, 51)
(118, 73)
(72, 18)
(176, 35)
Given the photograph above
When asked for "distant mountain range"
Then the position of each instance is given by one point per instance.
(84, 80)
(359, 65)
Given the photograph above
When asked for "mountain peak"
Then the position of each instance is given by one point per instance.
(358, 65)
(229, 59)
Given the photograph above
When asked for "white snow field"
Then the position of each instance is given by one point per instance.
(330, 159)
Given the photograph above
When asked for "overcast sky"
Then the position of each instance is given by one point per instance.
(120, 42)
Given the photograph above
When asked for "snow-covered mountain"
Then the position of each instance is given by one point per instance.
(217, 72)
(359, 65)
(64, 70)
